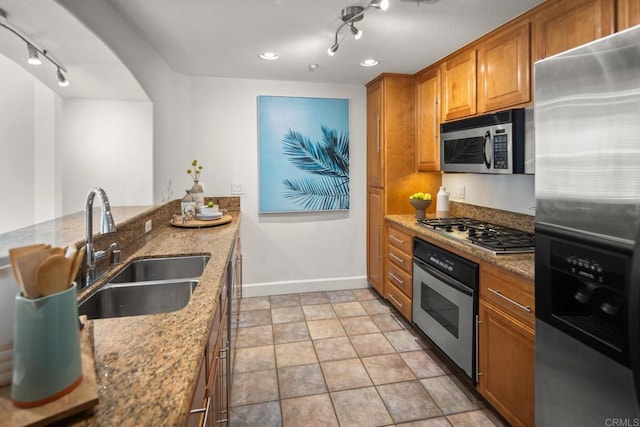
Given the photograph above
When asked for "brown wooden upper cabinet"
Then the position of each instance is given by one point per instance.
(459, 85)
(628, 14)
(565, 24)
(504, 64)
(375, 157)
(428, 120)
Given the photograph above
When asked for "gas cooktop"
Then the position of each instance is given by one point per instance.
(495, 238)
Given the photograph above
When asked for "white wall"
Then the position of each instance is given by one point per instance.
(514, 193)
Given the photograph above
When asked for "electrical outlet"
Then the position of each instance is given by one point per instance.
(461, 192)
(147, 226)
(236, 188)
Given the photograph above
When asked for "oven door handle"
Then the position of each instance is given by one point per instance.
(447, 280)
(634, 316)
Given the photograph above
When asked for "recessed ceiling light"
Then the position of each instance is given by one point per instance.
(270, 56)
(369, 62)
(313, 67)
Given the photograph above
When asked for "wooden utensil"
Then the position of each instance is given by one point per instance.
(27, 266)
(71, 252)
(77, 262)
(15, 253)
(52, 276)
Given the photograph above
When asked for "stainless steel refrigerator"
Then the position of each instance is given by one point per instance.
(587, 185)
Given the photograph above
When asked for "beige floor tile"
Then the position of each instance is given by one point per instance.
(376, 306)
(258, 414)
(424, 364)
(290, 332)
(255, 303)
(482, 418)
(388, 368)
(287, 314)
(318, 312)
(365, 294)
(359, 325)
(288, 300)
(340, 296)
(451, 395)
(404, 340)
(301, 380)
(408, 401)
(251, 359)
(360, 407)
(310, 298)
(295, 353)
(389, 322)
(327, 328)
(371, 344)
(308, 411)
(345, 374)
(254, 387)
(254, 318)
(349, 309)
(334, 349)
(254, 336)
(431, 422)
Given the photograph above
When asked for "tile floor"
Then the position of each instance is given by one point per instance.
(341, 358)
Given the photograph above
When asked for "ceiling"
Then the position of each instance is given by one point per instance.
(222, 38)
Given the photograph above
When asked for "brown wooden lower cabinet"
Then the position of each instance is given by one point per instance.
(506, 359)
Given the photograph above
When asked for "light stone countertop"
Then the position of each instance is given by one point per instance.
(520, 264)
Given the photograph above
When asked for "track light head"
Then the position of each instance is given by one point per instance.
(34, 58)
(62, 81)
(380, 4)
(332, 50)
(357, 34)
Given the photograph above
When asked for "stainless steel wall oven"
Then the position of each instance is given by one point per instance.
(445, 302)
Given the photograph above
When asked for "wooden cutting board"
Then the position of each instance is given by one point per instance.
(198, 223)
(83, 397)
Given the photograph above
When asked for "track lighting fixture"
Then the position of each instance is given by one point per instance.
(35, 53)
(351, 14)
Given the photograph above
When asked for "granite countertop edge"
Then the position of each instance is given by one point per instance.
(147, 366)
(519, 264)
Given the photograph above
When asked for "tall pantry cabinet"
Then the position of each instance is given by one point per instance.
(391, 174)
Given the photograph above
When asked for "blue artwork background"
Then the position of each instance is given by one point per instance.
(276, 116)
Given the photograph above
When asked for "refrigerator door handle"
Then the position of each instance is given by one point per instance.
(634, 316)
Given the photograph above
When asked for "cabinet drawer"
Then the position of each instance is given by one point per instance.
(401, 259)
(400, 240)
(399, 278)
(399, 300)
(510, 293)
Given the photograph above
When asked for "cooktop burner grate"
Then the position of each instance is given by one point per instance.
(495, 238)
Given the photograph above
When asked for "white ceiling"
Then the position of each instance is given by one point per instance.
(222, 38)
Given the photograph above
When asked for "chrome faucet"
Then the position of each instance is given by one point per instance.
(107, 225)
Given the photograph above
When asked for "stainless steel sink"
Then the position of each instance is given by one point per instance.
(147, 286)
(134, 299)
(183, 267)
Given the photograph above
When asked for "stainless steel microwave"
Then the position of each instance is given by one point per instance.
(495, 143)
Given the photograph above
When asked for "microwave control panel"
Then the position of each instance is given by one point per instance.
(500, 151)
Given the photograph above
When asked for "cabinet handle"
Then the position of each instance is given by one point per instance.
(379, 242)
(397, 279)
(378, 132)
(395, 239)
(517, 304)
(477, 348)
(224, 350)
(205, 410)
(397, 258)
(396, 301)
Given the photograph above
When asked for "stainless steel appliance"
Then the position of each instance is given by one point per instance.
(494, 238)
(495, 143)
(445, 304)
(587, 124)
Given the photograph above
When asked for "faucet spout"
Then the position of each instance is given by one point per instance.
(107, 225)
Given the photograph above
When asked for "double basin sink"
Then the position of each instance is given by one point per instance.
(147, 286)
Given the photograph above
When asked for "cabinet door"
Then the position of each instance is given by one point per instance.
(565, 24)
(428, 120)
(375, 206)
(459, 86)
(507, 360)
(628, 14)
(504, 63)
(375, 157)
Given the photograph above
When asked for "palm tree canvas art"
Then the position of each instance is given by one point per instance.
(304, 154)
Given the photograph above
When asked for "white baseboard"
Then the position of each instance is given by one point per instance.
(296, 287)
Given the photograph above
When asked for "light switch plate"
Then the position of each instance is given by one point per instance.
(236, 188)
(147, 226)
